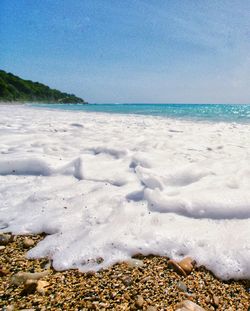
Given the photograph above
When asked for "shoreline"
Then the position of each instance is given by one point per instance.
(38, 103)
(11, 103)
(119, 287)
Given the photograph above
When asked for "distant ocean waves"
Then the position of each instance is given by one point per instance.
(209, 112)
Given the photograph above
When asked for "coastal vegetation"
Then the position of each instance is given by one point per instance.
(16, 89)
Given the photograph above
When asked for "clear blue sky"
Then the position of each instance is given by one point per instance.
(131, 51)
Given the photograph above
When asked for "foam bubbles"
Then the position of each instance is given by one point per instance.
(106, 187)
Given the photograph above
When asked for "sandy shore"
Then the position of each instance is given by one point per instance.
(151, 287)
(12, 103)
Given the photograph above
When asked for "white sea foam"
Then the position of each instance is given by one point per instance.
(111, 186)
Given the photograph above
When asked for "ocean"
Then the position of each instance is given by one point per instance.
(208, 112)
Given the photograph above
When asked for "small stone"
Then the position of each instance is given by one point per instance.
(5, 239)
(146, 279)
(183, 267)
(187, 305)
(27, 242)
(139, 301)
(3, 271)
(10, 308)
(103, 304)
(29, 287)
(176, 267)
(151, 308)
(132, 263)
(127, 281)
(42, 287)
(182, 286)
(187, 264)
(99, 260)
(207, 299)
(126, 296)
(21, 277)
(2, 247)
(216, 301)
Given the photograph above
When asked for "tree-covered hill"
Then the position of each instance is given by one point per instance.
(13, 88)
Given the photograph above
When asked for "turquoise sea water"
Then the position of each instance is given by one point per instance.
(209, 112)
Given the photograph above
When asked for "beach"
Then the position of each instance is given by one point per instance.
(124, 155)
(149, 286)
(104, 188)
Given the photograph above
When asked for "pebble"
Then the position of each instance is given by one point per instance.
(27, 242)
(5, 239)
(151, 308)
(183, 267)
(139, 301)
(127, 281)
(216, 301)
(145, 279)
(132, 263)
(42, 287)
(126, 296)
(182, 286)
(3, 271)
(187, 264)
(187, 305)
(2, 247)
(207, 300)
(21, 277)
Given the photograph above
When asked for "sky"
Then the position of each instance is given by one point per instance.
(131, 51)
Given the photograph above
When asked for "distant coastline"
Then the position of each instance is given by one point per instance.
(14, 89)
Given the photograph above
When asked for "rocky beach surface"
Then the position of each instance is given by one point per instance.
(144, 283)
